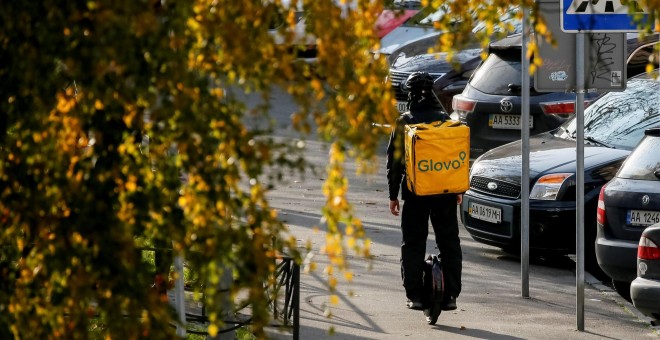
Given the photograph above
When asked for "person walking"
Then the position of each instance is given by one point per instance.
(416, 210)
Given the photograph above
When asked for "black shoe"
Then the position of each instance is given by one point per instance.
(449, 303)
(415, 305)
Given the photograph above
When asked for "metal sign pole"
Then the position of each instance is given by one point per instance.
(179, 297)
(579, 204)
(524, 136)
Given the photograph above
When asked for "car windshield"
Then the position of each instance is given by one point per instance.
(426, 16)
(619, 119)
(509, 18)
(644, 162)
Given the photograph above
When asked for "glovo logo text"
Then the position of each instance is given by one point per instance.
(428, 165)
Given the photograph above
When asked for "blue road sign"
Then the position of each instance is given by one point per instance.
(601, 16)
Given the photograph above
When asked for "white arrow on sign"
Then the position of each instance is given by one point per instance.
(603, 7)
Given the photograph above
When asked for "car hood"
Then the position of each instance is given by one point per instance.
(403, 35)
(433, 62)
(548, 154)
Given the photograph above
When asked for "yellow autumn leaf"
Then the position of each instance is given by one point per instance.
(348, 276)
(334, 299)
(213, 330)
(332, 282)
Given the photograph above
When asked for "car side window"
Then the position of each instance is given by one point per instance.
(644, 161)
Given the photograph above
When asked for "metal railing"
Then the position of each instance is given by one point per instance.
(284, 304)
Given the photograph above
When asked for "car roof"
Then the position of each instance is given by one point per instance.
(633, 40)
(653, 75)
(653, 132)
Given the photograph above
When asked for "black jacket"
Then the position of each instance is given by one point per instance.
(396, 167)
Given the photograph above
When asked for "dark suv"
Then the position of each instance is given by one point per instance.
(629, 203)
(491, 102)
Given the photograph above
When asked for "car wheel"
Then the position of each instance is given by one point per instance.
(623, 288)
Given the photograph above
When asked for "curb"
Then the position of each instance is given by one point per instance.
(614, 296)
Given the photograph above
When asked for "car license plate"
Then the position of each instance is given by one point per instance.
(510, 122)
(642, 217)
(402, 107)
(485, 213)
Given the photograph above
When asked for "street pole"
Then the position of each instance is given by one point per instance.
(179, 296)
(579, 207)
(524, 179)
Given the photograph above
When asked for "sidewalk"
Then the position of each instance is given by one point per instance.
(490, 305)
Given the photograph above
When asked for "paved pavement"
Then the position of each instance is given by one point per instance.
(490, 306)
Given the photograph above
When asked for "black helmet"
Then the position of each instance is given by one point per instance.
(418, 83)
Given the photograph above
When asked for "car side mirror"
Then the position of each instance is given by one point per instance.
(657, 173)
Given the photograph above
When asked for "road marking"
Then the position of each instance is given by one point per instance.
(603, 7)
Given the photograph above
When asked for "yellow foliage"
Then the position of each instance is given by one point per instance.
(348, 275)
(213, 330)
(334, 299)
(183, 75)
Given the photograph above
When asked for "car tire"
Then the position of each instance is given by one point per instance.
(623, 288)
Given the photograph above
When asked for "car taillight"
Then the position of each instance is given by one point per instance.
(560, 108)
(647, 249)
(601, 218)
(463, 105)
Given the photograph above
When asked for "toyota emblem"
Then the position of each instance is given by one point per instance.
(646, 199)
(492, 186)
(506, 105)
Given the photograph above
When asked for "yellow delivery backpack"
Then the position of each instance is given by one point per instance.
(437, 157)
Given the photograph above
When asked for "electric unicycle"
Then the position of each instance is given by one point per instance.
(434, 285)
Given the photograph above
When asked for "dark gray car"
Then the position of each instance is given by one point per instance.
(491, 102)
(614, 125)
(645, 290)
(629, 203)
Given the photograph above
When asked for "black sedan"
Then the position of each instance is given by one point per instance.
(645, 290)
(627, 204)
(614, 124)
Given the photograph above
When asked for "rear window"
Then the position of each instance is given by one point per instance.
(500, 74)
(644, 161)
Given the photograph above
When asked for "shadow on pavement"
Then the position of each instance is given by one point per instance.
(475, 333)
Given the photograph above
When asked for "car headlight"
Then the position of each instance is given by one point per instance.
(548, 187)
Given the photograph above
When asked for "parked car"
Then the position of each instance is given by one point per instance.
(490, 104)
(418, 28)
(303, 43)
(614, 125)
(645, 289)
(629, 203)
(389, 19)
(442, 71)
(450, 77)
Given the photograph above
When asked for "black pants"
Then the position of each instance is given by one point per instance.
(415, 216)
